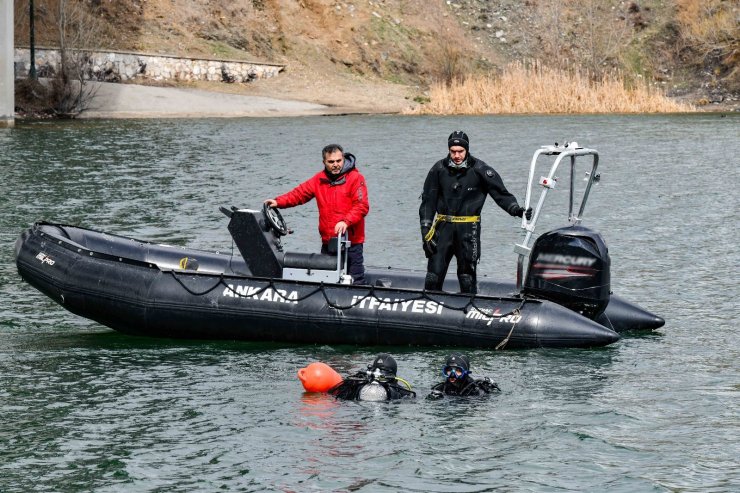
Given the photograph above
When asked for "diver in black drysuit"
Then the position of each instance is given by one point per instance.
(378, 383)
(458, 380)
(455, 189)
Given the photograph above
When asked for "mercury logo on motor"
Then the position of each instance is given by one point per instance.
(566, 259)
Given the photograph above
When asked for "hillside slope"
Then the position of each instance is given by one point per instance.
(387, 52)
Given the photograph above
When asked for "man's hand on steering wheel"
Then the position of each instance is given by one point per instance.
(273, 217)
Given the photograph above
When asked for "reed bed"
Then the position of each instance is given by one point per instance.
(537, 89)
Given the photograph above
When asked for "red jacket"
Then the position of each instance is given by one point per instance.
(343, 199)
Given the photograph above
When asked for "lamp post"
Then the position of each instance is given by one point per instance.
(32, 41)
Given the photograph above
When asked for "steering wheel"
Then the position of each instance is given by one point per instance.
(274, 220)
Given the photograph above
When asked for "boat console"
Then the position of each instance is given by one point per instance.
(257, 236)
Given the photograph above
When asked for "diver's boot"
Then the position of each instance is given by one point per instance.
(431, 283)
(467, 284)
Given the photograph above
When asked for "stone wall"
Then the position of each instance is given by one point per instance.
(116, 66)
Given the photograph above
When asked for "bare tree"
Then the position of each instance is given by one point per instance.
(450, 62)
(78, 32)
(64, 88)
(593, 32)
(553, 15)
(605, 33)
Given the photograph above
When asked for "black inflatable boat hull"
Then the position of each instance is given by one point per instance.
(137, 288)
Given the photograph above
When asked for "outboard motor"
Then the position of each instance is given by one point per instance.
(570, 266)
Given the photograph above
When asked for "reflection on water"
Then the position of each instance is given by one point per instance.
(85, 408)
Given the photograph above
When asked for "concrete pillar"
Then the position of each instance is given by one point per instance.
(7, 74)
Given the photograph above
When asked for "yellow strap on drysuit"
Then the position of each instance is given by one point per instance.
(450, 219)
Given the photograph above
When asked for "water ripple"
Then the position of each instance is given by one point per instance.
(86, 409)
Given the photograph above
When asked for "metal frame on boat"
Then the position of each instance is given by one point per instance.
(570, 150)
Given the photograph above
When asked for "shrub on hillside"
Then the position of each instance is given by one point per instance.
(710, 37)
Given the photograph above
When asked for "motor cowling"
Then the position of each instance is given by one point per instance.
(571, 267)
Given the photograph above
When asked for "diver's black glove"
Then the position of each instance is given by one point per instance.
(519, 212)
(435, 395)
(488, 385)
(430, 247)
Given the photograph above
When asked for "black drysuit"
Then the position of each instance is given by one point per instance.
(465, 387)
(350, 387)
(459, 192)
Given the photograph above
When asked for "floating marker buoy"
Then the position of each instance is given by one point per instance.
(318, 377)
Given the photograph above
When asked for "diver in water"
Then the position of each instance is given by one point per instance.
(459, 381)
(378, 383)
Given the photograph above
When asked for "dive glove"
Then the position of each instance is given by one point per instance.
(519, 212)
(430, 247)
(488, 385)
(435, 395)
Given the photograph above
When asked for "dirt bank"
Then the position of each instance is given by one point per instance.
(297, 92)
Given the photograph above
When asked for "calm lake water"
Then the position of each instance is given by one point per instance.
(83, 408)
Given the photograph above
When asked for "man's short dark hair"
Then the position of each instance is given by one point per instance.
(331, 148)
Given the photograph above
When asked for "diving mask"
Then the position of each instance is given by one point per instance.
(453, 372)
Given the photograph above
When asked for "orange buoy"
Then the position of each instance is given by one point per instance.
(318, 377)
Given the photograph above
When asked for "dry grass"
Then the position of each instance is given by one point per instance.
(709, 23)
(523, 89)
(711, 37)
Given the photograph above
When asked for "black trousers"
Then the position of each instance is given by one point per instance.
(355, 262)
(461, 240)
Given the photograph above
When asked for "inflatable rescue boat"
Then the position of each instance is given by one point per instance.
(269, 294)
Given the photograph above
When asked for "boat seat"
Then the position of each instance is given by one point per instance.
(317, 267)
(317, 261)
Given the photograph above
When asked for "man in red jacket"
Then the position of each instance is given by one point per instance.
(341, 195)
